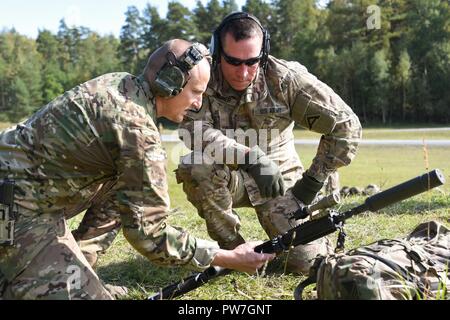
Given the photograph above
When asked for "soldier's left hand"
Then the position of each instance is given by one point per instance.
(266, 173)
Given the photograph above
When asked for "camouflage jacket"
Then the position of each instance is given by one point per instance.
(286, 94)
(100, 139)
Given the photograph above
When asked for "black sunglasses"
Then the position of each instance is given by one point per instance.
(237, 62)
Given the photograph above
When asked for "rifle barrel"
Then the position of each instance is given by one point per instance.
(405, 190)
(315, 229)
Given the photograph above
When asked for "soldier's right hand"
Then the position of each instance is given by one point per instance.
(265, 172)
(243, 258)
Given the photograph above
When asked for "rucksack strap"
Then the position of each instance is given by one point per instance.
(397, 268)
(298, 292)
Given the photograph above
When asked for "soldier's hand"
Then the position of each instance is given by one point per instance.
(265, 172)
(243, 258)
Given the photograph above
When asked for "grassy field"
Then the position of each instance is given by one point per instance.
(384, 166)
(4, 125)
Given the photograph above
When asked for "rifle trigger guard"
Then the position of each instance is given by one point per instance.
(278, 245)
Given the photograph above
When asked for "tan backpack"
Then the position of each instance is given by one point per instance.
(416, 267)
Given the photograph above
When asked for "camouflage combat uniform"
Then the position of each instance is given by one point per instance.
(287, 94)
(96, 147)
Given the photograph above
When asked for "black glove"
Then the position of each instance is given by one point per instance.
(266, 173)
(306, 189)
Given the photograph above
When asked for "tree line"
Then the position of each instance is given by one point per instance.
(388, 59)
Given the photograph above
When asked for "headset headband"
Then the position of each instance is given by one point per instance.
(174, 74)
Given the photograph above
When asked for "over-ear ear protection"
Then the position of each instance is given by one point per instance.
(215, 46)
(174, 74)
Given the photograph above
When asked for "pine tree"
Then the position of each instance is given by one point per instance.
(153, 27)
(403, 74)
(131, 40)
(379, 70)
(21, 78)
(52, 75)
(207, 19)
(180, 23)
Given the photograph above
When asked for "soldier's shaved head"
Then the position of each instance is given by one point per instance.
(190, 97)
(159, 57)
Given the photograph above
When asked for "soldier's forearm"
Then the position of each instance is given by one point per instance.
(337, 149)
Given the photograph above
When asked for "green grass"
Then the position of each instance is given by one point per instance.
(385, 166)
(4, 125)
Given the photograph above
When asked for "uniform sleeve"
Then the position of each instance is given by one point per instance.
(144, 202)
(316, 107)
(198, 134)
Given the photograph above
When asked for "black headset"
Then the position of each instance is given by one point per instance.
(215, 46)
(174, 74)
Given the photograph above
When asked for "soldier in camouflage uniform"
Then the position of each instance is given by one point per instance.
(96, 147)
(251, 92)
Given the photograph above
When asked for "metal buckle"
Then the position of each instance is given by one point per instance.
(7, 213)
(6, 227)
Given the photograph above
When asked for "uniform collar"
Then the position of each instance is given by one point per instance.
(150, 106)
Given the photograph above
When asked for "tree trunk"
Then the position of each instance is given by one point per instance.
(403, 102)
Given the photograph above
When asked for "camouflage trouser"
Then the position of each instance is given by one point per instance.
(98, 229)
(215, 190)
(2, 285)
(45, 262)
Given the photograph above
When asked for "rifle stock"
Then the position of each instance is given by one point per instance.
(190, 283)
(313, 229)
